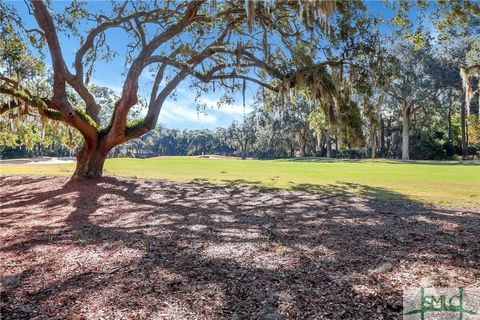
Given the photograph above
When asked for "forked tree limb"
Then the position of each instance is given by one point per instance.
(130, 88)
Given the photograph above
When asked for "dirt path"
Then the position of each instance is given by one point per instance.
(133, 249)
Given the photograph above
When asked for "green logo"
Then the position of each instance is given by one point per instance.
(453, 303)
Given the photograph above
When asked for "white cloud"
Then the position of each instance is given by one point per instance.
(179, 113)
(232, 109)
(183, 112)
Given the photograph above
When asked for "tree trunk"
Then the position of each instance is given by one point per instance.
(318, 148)
(336, 142)
(405, 132)
(302, 148)
(374, 143)
(382, 137)
(449, 123)
(388, 141)
(244, 151)
(329, 145)
(302, 140)
(90, 161)
(464, 131)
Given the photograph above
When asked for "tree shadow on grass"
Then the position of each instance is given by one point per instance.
(350, 189)
(153, 249)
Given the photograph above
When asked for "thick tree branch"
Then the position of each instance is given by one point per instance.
(156, 83)
(8, 106)
(60, 101)
(23, 98)
(154, 110)
(130, 88)
(92, 108)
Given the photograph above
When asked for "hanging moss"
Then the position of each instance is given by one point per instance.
(320, 86)
(22, 95)
(332, 95)
(266, 47)
(467, 73)
(309, 11)
(244, 88)
(238, 53)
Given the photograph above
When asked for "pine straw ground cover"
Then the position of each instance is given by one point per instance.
(139, 249)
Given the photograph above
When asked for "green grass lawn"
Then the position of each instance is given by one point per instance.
(446, 184)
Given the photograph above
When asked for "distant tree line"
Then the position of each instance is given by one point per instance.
(276, 129)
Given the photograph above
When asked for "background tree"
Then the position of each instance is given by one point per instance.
(412, 85)
(457, 25)
(242, 136)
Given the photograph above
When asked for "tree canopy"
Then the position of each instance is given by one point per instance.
(224, 44)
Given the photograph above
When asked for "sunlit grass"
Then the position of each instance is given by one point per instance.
(445, 184)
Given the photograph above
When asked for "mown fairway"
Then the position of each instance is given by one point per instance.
(446, 184)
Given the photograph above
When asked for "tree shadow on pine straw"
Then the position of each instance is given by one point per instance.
(122, 249)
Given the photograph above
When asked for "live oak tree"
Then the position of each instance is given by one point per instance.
(292, 120)
(412, 86)
(281, 45)
(282, 128)
(321, 131)
(241, 136)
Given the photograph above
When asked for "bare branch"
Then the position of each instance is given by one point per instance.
(89, 41)
(156, 83)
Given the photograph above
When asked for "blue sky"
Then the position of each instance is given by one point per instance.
(178, 113)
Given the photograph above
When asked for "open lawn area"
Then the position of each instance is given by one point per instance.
(451, 184)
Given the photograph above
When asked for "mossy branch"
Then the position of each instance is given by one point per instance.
(82, 114)
(133, 126)
(24, 96)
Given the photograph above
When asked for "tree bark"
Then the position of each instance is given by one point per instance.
(302, 148)
(388, 140)
(302, 139)
(244, 151)
(449, 123)
(329, 144)
(464, 132)
(319, 146)
(382, 137)
(90, 161)
(374, 143)
(336, 142)
(405, 132)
